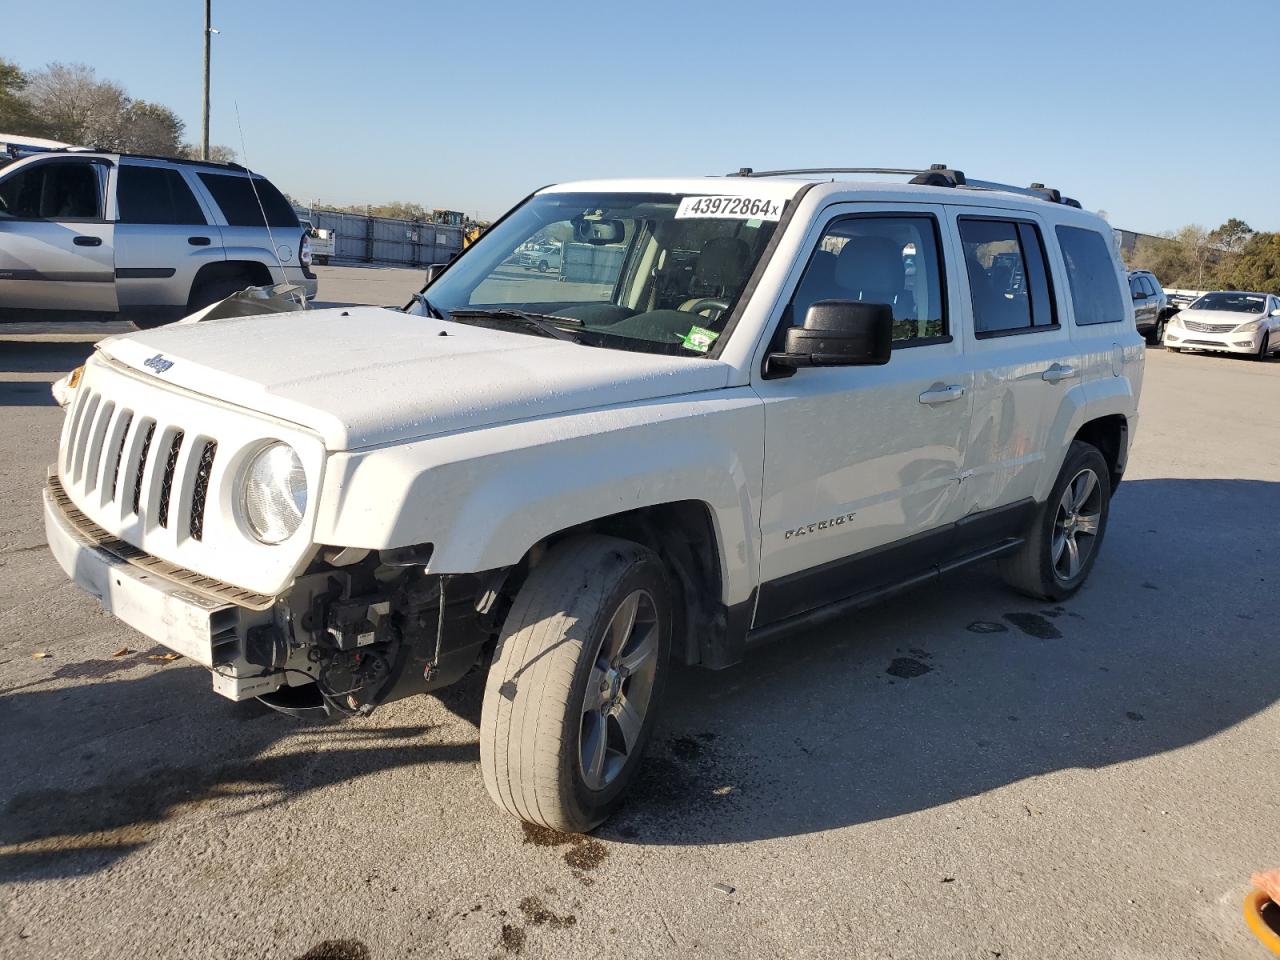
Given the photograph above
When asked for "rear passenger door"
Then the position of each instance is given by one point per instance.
(862, 462)
(1022, 357)
(163, 238)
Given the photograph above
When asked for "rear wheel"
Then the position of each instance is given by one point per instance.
(571, 698)
(1063, 542)
(205, 292)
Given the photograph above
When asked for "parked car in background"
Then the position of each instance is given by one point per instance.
(323, 241)
(1181, 299)
(542, 258)
(1150, 305)
(1228, 322)
(147, 239)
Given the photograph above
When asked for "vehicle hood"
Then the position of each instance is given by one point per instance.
(363, 376)
(1219, 316)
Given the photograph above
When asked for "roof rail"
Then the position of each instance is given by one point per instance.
(937, 175)
(229, 165)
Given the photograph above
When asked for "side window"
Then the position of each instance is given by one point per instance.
(1135, 287)
(155, 195)
(889, 259)
(1008, 277)
(1149, 285)
(1091, 275)
(239, 200)
(57, 190)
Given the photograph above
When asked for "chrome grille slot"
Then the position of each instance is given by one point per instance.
(123, 422)
(200, 489)
(82, 437)
(166, 484)
(93, 462)
(73, 434)
(140, 467)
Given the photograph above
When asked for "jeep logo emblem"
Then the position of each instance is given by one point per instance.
(158, 363)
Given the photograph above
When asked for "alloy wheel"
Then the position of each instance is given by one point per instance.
(1076, 525)
(619, 690)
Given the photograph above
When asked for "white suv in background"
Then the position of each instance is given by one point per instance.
(147, 239)
(1230, 321)
(852, 388)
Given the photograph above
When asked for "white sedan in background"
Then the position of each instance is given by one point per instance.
(1229, 322)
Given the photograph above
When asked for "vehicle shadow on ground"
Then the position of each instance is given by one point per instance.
(34, 358)
(940, 695)
(946, 694)
(173, 749)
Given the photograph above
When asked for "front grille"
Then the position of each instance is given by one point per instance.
(203, 586)
(1198, 327)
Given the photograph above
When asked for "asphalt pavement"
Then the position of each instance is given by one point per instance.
(959, 772)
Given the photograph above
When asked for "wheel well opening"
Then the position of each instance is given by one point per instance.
(255, 274)
(1110, 435)
(683, 535)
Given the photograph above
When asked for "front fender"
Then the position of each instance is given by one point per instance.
(483, 497)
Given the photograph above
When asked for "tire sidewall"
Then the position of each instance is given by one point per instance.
(1080, 456)
(646, 573)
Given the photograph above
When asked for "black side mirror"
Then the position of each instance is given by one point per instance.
(839, 333)
(434, 270)
(1139, 295)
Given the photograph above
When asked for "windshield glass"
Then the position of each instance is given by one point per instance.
(658, 273)
(1235, 302)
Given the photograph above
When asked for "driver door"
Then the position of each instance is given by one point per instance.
(862, 463)
(56, 247)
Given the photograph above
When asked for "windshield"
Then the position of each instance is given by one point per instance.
(1235, 302)
(658, 273)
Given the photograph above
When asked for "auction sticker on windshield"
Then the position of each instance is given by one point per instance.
(730, 208)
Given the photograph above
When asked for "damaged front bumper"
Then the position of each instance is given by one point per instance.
(341, 640)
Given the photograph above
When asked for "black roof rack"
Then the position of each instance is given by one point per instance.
(27, 152)
(937, 175)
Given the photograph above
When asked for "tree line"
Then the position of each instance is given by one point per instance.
(1230, 257)
(70, 103)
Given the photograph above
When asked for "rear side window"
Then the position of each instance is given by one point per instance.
(56, 190)
(1008, 279)
(880, 259)
(235, 196)
(155, 195)
(1091, 275)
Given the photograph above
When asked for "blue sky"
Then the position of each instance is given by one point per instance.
(1161, 113)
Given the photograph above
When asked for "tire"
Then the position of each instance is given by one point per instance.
(537, 725)
(1264, 348)
(1156, 337)
(209, 291)
(1042, 567)
(543, 266)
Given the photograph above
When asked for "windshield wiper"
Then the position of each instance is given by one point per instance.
(540, 322)
(432, 312)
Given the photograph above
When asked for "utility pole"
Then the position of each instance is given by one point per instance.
(204, 116)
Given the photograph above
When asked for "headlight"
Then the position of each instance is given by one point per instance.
(1175, 320)
(274, 496)
(1251, 327)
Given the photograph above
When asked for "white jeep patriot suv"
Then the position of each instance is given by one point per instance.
(746, 404)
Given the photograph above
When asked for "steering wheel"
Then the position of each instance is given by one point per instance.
(704, 303)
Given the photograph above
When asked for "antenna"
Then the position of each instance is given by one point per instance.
(284, 277)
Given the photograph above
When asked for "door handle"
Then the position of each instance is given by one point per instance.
(940, 394)
(1058, 372)
(87, 241)
(198, 241)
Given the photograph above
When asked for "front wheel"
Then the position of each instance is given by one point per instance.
(1264, 348)
(543, 266)
(1063, 542)
(572, 695)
